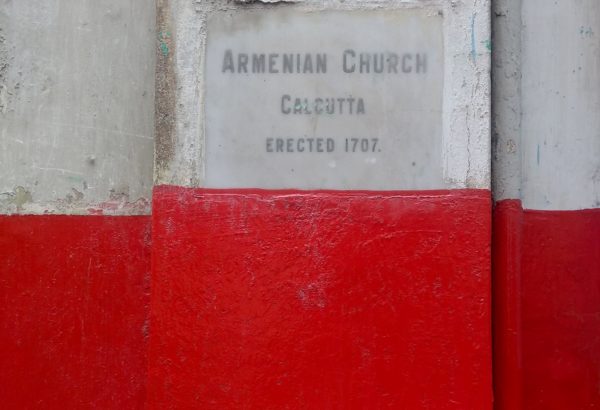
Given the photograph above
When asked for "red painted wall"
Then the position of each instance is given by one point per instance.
(74, 294)
(271, 300)
(561, 310)
(551, 299)
(507, 247)
(306, 299)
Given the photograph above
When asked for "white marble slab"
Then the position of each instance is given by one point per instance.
(324, 100)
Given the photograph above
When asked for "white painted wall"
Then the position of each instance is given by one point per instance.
(76, 105)
(547, 80)
(561, 104)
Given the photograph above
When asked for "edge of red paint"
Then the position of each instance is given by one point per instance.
(161, 190)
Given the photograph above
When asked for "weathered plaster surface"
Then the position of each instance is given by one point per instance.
(466, 136)
(76, 106)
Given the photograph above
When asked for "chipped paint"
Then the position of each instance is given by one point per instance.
(487, 44)
(586, 31)
(163, 38)
(20, 197)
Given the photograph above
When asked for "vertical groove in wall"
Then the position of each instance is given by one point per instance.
(506, 99)
(507, 244)
(166, 85)
(506, 185)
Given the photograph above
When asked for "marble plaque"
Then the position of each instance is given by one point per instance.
(324, 100)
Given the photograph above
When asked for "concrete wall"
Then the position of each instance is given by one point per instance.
(76, 106)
